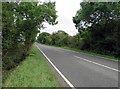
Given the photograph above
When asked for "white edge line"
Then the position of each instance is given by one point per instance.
(91, 55)
(66, 80)
(87, 54)
(97, 63)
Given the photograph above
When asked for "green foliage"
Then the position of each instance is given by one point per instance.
(44, 38)
(20, 22)
(102, 22)
(59, 38)
(32, 72)
(98, 24)
(8, 32)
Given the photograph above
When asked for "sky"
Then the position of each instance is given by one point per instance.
(66, 9)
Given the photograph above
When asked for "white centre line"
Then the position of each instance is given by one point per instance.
(65, 79)
(97, 63)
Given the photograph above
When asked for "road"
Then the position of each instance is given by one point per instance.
(83, 70)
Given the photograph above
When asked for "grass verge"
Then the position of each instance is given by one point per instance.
(88, 52)
(32, 72)
(92, 53)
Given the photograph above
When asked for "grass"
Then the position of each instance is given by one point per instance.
(88, 52)
(32, 72)
(92, 53)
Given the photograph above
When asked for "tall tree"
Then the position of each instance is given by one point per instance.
(21, 21)
(99, 19)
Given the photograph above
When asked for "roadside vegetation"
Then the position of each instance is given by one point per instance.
(98, 24)
(92, 53)
(32, 72)
(21, 22)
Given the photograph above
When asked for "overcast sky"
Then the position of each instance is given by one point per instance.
(66, 9)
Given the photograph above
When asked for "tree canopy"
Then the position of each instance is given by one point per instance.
(102, 20)
(21, 22)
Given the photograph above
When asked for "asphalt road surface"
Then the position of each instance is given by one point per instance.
(83, 70)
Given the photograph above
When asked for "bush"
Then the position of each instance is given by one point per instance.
(12, 58)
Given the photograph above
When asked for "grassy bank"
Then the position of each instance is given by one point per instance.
(92, 53)
(88, 52)
(32, 72)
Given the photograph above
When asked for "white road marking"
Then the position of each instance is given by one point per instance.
(66, 80)
(97, 63)
(90, 55)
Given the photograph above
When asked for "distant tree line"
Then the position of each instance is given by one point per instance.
(20, 23)
(98, 24)
(59, 38)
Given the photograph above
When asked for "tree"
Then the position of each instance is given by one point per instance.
(44, 38)
(58, 38)
(33, 15)
(22, 21)
(99, 19)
